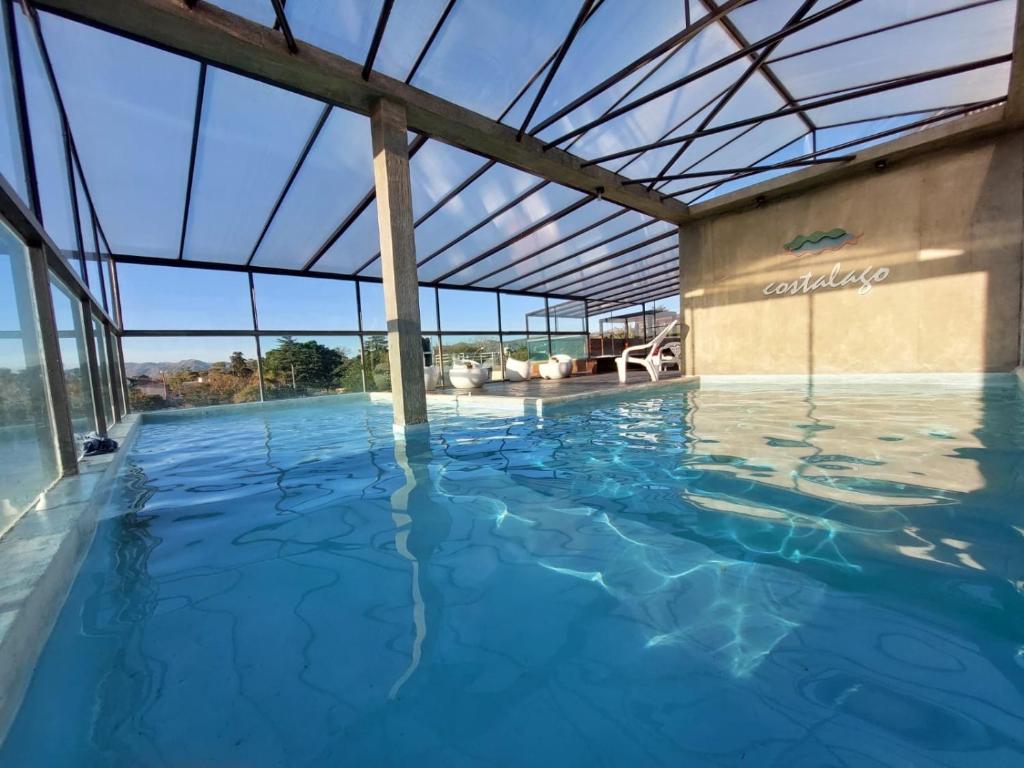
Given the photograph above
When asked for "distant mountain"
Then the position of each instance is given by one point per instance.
(153, 369)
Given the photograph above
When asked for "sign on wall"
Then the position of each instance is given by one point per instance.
(824, 242)
(821, 242)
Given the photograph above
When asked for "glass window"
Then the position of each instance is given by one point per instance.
(566, 317)
(67, 310)
(372, 298)
(484, 349)
(185, 372)
(28, 460)
(376, 365)
(468, 310)
(108, 294)
(172, 298)
(300, 366)
(574, 345)
(48, 151)
(300, 303)
(520, 313)
(524, 347)
(428, 309)
(12, 163)
(103, 363)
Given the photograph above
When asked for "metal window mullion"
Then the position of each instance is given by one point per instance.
(256, 336)
(547, 323)
(501, 336)
(586, 324)
(378, 36)
(359, 322)
(440, 330)
(196, 120)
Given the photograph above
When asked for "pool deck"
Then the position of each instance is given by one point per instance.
(533, 396)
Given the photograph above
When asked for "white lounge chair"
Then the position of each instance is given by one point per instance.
(651, 361)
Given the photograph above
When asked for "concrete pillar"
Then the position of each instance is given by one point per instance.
(398, 263)
(1015, 91)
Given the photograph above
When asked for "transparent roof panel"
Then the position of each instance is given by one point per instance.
(859, 19)
(131, 112)
(344, 27)
(664, 115)
(632, 246)
(588, 214)
(983, 32)
(335, 176)
(49, 152)
(132, 109)
(980, 84)
(488, 49)
(707, 188)
(622, 272)
(485, 196)
(613, 232)
(12, 165)
(355, 247)
(436, 170)
(245, 152)
(752, 146)
(540, 204)
(409, 27)
(613, 36)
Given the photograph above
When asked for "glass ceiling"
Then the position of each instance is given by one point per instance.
(187, 161)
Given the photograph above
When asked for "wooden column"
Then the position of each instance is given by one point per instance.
(398, 262)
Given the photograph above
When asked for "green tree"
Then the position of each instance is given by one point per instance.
(238, 366)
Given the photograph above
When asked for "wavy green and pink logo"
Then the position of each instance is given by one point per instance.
(820, 242)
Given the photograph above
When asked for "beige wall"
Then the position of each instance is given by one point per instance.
(947, 226)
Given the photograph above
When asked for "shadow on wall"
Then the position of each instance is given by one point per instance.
(924, 275)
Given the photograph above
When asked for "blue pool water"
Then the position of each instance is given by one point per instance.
(759, 575)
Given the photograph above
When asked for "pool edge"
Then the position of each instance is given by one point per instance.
(42, 553)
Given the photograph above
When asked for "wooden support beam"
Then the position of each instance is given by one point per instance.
(398, 263)
(214, 36)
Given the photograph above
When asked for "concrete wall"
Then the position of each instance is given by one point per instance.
(947, 227)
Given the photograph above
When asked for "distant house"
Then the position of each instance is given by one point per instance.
(149, 387)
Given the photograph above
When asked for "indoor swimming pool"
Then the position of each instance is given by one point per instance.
(769, 573)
